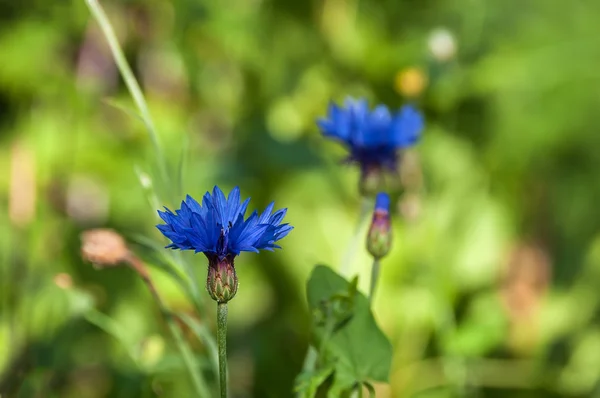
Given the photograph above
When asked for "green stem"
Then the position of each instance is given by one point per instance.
(222, 344)
(374, 278)
(132, 84)
(346, 267)
(310, 361)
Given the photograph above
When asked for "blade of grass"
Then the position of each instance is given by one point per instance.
(112, 328)
(126, 110)
(203, 334)
(182, 163)
(132, 84)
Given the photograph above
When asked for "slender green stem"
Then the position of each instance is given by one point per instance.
(374, 278)
(132, 84)
(347, 260)
(360, 390)
(310, 361)
(222, 344)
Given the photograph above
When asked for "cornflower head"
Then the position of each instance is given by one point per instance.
(218, 229)
(373, 137)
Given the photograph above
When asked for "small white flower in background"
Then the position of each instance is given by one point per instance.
(442, 44)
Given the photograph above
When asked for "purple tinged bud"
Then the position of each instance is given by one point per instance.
(379, 239)
(221, 282)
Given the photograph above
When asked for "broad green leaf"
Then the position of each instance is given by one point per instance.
(356, 345)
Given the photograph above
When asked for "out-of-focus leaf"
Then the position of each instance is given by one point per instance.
(481, 331)
(357, 347)
(203, 334)
(307, 384)
(111, 327)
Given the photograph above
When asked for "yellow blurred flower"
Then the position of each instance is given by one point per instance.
(410, 82)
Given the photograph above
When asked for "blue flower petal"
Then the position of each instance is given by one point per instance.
(217, 226)
(373, 138)
(220, 205)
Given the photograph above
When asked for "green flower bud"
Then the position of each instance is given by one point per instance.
(222, 282)
(379, 239)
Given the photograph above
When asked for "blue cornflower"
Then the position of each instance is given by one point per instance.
(373, 137)
(218, 229)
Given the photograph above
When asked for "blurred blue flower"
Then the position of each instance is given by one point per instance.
(373, 137)
(217, 227)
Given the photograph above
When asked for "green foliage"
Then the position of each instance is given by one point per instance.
(509, 161)
(351, 345)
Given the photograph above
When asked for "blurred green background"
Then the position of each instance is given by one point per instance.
(491, 289)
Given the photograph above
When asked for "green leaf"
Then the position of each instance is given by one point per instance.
(355, 344)
(307, 384)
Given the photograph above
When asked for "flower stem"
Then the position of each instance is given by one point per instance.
(310, 361)
(346, 267)
(222, 344)
(374, 279)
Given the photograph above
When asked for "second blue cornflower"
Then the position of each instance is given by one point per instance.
(373, 137)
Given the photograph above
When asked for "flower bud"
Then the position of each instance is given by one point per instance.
(379, 239)
(222, 282)
(371, 180)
